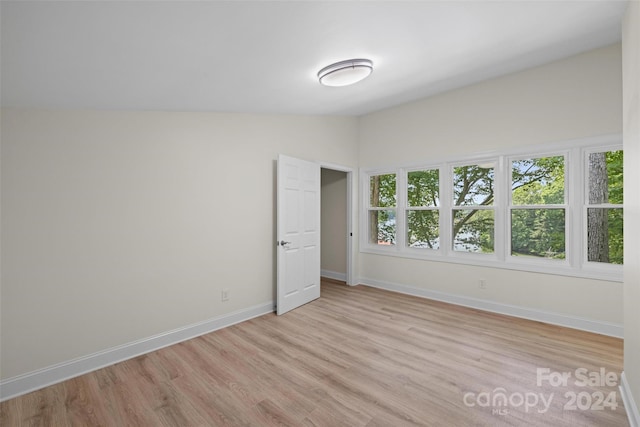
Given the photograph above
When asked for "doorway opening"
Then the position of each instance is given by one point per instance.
(336, 233)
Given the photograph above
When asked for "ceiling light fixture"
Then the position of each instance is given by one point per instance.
(345, 73)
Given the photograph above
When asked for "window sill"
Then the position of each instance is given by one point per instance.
(611, 273)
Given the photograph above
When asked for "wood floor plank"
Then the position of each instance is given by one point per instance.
(358, 356)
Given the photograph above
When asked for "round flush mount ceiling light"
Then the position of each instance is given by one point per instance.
(345, 73)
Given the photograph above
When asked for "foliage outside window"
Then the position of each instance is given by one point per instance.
(473, 211)
(382, 212)
(538, 212)
(604, 207)
(529, 210)
(423, 216)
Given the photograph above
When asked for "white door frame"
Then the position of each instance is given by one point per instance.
(351, 210)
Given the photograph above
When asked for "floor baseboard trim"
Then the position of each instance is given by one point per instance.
(26, 383)
(333, 275)
(629, 404)
(604, 328)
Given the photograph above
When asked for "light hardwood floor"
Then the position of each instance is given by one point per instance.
(358, 356)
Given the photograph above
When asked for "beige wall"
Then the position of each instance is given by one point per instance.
(631, 114)
(334, 221)
(573, 98)
(120, 225)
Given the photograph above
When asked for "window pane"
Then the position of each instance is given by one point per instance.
(605, 177)
(538, 181)
(538, 233)
(422, 229)
(422, 188)
(382, 227)
(383, 190)
(473, 185)
(604, 235)
(473, 230)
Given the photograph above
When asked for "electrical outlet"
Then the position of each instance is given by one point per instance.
(225, 295)
(482, 284)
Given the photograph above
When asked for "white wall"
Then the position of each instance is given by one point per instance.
(631, 114)
(120, 225)
(572, 98)
(334, 222)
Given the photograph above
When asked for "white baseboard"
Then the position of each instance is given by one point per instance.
(629, 404)
(334, 275)
(604, 328)
(32, 381)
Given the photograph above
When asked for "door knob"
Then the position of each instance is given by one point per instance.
(283, 243)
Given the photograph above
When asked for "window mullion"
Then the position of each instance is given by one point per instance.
(401, 209)
(446, 214)
(576, 224)
(501, 204)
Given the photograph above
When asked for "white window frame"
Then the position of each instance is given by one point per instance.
(493, 256)
(596, 267)
(407, 208)
(369, 208)
(568, 249)
(574, 264)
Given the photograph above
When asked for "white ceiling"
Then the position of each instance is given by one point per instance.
(263, 56)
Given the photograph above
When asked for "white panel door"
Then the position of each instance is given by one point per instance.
(298, 233)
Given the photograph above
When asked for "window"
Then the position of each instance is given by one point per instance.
(604, 243)
(538, 207)
(529, 209)
(382, 212)
(473, 210)
(423, 204)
